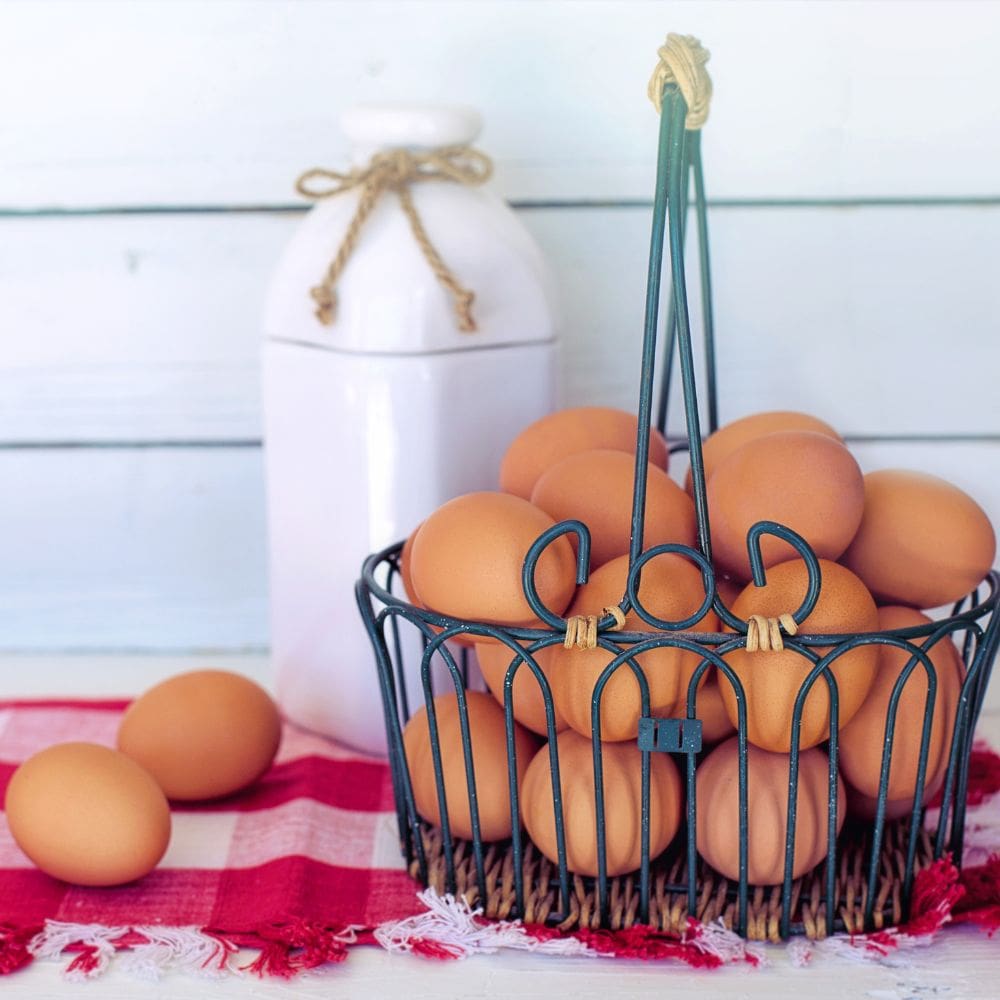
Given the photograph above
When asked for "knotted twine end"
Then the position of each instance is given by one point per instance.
(764, 634)
(395, 170)
(682, 61)
(581, 630)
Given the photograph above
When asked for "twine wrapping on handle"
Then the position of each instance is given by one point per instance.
(581, 630)
(765, 633)
(395, 170)
(682, 61)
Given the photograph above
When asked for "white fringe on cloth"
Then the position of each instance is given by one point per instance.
(166, 949)
(456, 927)
(459, 930)
(717, 939)
(891, 949)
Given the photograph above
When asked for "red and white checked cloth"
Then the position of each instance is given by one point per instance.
(306, 864)
(313, 842)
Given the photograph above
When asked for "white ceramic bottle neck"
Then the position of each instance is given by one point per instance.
(373, 127)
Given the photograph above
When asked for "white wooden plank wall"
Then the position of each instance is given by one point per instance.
(146, 158)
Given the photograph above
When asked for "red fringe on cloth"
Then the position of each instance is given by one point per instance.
(984, 776)
(980, 900)
(299, 945)
(14, 941)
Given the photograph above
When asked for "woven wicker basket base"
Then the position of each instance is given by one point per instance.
(668, 909)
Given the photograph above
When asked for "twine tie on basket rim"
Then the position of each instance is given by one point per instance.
(682, 61)
(395, 170)
(581, 630)
(764, 634)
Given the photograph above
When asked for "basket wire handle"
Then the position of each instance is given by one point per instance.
(680, 75)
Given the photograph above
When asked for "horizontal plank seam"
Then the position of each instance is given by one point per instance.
(129, 650)
(124, 443)
(985, 437)
(524, 204)
(195, 443)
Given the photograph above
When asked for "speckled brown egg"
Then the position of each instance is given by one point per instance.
(771, 680)
(672, 589)
(806, 481)
(711, 709)
(406, 577)
(487, 732)
(728, 589)
(410, 590)
(88, 815)
(717, 447)
(865, 807)
(622, 772)
(202, 734)
(717, 804)
(922, 541)
(862, 739)
(468, 555)
(596, 487)
(494, 660)
(565, 432)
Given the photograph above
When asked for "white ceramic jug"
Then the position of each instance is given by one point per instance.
(373, 421)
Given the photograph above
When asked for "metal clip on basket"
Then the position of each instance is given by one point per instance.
(868, 875)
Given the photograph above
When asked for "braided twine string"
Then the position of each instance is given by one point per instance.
(395, 170)
(764, 634)
(682, 61)
(581, 630)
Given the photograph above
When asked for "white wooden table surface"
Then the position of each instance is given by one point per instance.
(960, 965)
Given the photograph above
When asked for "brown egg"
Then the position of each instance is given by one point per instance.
(487, 732)
(771, 680)
(467, 559)
(405, 556)
(87, 814)
(566, 432)
(865, 807)
(202, 734)
(529, 704)
(596, 487)
(717, 447)
(805, 481)
(622, 771)
(922, 541)
(862, 739)
(671, 589)
(718, 812)
(715, 722)
(728, 589)
(406, 576)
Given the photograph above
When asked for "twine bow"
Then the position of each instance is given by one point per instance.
(765, 633)
(581, 630)
(395, 170)
(682, 61)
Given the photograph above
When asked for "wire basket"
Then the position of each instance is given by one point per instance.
(867, 877)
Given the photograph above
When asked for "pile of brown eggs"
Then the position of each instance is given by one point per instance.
(92, 815)
(890, 543)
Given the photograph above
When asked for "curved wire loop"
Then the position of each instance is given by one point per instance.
(540, 544)
(759, 572)
(632, 586)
